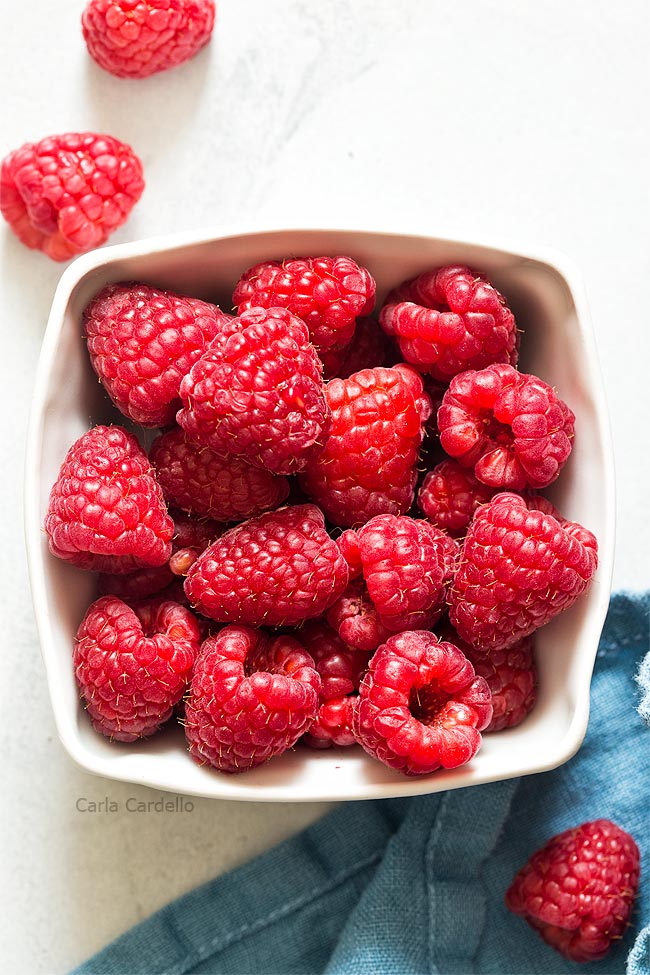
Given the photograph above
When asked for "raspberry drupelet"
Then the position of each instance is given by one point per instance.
(133, 665)
(252, 696)
(421, 706)
(67, 193)
(448, 320)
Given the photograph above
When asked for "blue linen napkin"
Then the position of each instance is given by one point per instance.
(399, 887)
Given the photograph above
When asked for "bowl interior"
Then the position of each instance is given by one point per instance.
(557, 344)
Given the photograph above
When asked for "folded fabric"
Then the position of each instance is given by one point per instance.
(394, 887)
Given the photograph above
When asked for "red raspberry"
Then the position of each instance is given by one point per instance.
(449, 320)
(355, 618)
(510, 673)
(133, 665)
(367, 350)
(106, 511)
(189, 534)
(339, 665)
(407, 566)
(277, 569)
(577, 891)
(67, 193)
(223, 487)
(142, 341)
(327, 293)
(332, 724)
(510, 427)
(369, 463)
(137, 38)
(252, 697)
(257, 392)
(449, 496)
(518, 570)
(420, 705)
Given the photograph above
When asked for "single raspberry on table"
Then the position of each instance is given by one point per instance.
(133, 665)
(67, 193)
(327, 293)
(450, 494)
(274, 570)
(449, 320)
(511, 675)
(578, 890)
(193, 534)
(252, 696)
(421, 706)
(137, 38)
(368, 465)
(367, 349)
(332, 724)
(221, 486)
(510, 427)
(519, 568)
(142, 341)
(407, 566)
(106, 511)
(257, 392)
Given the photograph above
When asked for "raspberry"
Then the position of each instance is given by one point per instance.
(257, 392)
(420, 705)
(518, 569)
(142, 341)
(407, 567)
(510, 673)
(577, 891)
(106, 511)
(327, 293)
(332, 724)
(355, 618)
(67, 193)
(252, 696)
(340, 666)
(277, 569)
(223, 487)
(369, 463)
(137, 38)
(367, 349)
(189, 533)
(449, 496)
(449, 320)
(133, 665)
(510, 427)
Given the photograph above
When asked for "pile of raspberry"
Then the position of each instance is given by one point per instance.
(336, 536)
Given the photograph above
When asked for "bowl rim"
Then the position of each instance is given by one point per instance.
(554, 259)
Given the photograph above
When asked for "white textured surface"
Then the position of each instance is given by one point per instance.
(494, 117)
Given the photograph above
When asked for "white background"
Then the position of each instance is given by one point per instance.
(523, 121)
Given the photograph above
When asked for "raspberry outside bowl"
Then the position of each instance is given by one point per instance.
(547, 297)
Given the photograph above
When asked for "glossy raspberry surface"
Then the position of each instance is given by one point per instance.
(368, 465)
(450, 494)
(132, 666)
(257, 392)
(277, 569)
(578, 890)
(510, 427)
(106, 512)
(142, 341)
(220, 486)
(355, 618)
(67, 193)
(518, 569)
(339, 665)
(137, 38)
(448, 320)
(327, 293)
(420, 705)
(368, 348)
(332, 724)
(252, 696)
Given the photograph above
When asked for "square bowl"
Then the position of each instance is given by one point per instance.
(547, 298)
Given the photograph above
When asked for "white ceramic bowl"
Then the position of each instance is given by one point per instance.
(557, 344)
